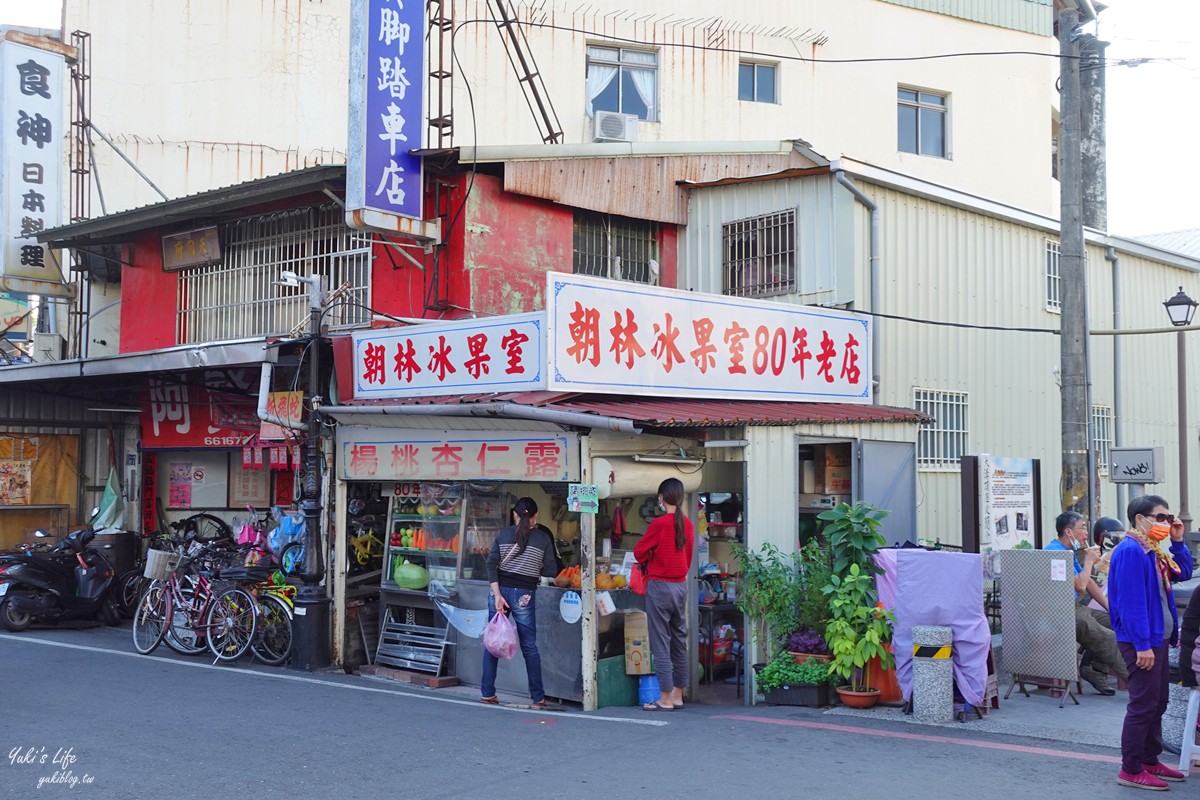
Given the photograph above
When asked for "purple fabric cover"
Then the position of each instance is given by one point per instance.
(927, 587)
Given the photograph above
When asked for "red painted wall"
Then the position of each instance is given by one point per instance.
(148, 299)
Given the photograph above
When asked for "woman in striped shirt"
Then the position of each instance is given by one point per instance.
(520, 555)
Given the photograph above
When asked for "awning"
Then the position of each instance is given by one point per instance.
(663, 412)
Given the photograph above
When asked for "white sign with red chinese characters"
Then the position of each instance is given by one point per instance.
(626, 338)
(393, 454)
(466, 356)
(31, 156)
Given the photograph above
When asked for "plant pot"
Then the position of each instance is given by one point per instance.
(811, 695)
(801, 658)
(853, 699)
(885, 680)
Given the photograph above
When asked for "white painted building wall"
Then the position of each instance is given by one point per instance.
(209, 94)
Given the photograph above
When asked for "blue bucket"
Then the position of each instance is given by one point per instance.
(648, 691)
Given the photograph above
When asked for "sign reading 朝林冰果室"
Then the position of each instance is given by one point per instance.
(386, 113)
(617, 337)
(31, 155)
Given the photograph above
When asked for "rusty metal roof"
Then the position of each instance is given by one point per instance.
(665, 412)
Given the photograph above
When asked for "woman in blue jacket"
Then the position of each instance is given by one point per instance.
(1142, 606)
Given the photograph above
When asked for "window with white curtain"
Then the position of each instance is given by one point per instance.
(621, 80)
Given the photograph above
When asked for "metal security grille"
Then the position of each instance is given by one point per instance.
(1102, 436)
(1053, 277)
(759, 255)
(615, 247)
(241, 298)
(942, 442)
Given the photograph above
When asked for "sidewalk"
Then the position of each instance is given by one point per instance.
(1095, 721)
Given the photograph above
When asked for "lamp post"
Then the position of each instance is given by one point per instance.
(1181, 309)
(312, 645)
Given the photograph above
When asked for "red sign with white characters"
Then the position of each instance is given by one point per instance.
(390, 454)
(626, 338)
(469, 356)
(177, 415)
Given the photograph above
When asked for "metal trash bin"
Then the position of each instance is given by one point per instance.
(119, 547)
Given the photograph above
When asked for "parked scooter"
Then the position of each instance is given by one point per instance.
(70, 582)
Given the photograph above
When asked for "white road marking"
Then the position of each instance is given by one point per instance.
(331, 684)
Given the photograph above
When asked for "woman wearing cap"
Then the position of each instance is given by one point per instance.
(520, 555)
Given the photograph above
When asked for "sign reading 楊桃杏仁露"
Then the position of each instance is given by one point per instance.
(31, 154)
(1006, 508)
(386, 112)
(617, 336)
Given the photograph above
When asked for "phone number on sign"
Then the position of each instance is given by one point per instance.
(223, 441)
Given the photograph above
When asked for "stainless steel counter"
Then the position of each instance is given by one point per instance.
(560, 643)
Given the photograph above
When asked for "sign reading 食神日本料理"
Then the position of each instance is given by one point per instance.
(627, 338)
(31, 156)
(617, 337)
(387, 79)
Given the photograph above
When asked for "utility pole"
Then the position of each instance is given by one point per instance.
(312, 637)
(1077, 462)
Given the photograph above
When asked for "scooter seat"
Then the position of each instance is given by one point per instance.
(254, 574)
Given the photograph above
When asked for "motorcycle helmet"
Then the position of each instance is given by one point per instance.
(1108, 530)
(356, 506)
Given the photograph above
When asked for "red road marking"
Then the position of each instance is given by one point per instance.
(924, 737)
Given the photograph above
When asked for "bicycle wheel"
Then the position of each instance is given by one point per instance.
(209, 528)
(273, 639)
(128, 590)
(292, 558)
(184, 631)
(149, 618)
(230, 624)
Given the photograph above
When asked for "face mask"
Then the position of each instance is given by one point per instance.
(1159, 531)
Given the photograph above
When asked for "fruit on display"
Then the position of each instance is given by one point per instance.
(409, 537)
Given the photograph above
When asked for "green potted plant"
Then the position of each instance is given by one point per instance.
(807, 641)
(787, 683)
(769, 594)
(857, 633)
(853, 535)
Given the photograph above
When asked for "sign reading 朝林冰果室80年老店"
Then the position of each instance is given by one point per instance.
(617, 337)
(31, 154)
(386, 113)
(628, 338)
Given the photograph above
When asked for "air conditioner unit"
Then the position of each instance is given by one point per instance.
(608, 126)
(48, 347)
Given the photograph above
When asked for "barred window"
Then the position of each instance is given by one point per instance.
(1102, 436)
(615, 247)
(942, 442)
(241, 297)
(1053, 277)
(759, 255)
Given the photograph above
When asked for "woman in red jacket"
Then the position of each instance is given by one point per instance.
(666, 551)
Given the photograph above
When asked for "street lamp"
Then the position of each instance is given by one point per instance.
(312, 638)
(1181, 309)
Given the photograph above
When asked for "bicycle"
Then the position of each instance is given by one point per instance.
(130, 584)
(273, 640)
(194, 617)
(366, 549)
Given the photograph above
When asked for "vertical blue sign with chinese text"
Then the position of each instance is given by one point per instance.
(387, 119)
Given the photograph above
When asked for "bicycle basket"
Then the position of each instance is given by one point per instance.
(159, 564)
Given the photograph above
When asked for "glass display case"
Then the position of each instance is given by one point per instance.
(425, 530)
(487, 511)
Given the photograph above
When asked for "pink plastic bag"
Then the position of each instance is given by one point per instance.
(500, 637)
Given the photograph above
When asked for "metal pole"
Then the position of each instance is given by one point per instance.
(1185, 515)
(312, 636)
(589, 627)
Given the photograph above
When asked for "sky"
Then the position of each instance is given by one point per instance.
(1153, 108)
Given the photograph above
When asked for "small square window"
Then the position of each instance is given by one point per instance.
(625, 81)
(921, 123)
(942, 442)
(756, 82)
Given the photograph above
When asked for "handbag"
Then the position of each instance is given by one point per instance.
(637, 575)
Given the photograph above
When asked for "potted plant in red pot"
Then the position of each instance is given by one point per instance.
(857, 633)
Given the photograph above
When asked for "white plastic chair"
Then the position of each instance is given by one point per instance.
(1189, 751)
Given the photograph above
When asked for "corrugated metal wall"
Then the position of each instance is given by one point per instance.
(825, 235)
(1031, 16)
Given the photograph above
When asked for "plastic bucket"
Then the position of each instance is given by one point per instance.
(722, 650)
(648, 691)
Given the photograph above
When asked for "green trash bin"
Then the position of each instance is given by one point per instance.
(614, 687)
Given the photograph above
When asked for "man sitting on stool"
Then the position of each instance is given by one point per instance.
(1093, 628)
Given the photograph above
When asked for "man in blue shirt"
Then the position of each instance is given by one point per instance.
(1148, 560)
(1093, 629)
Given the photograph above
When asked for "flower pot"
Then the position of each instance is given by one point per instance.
(801, 658)
(853, 699)
(885, 680)
(811, 695)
